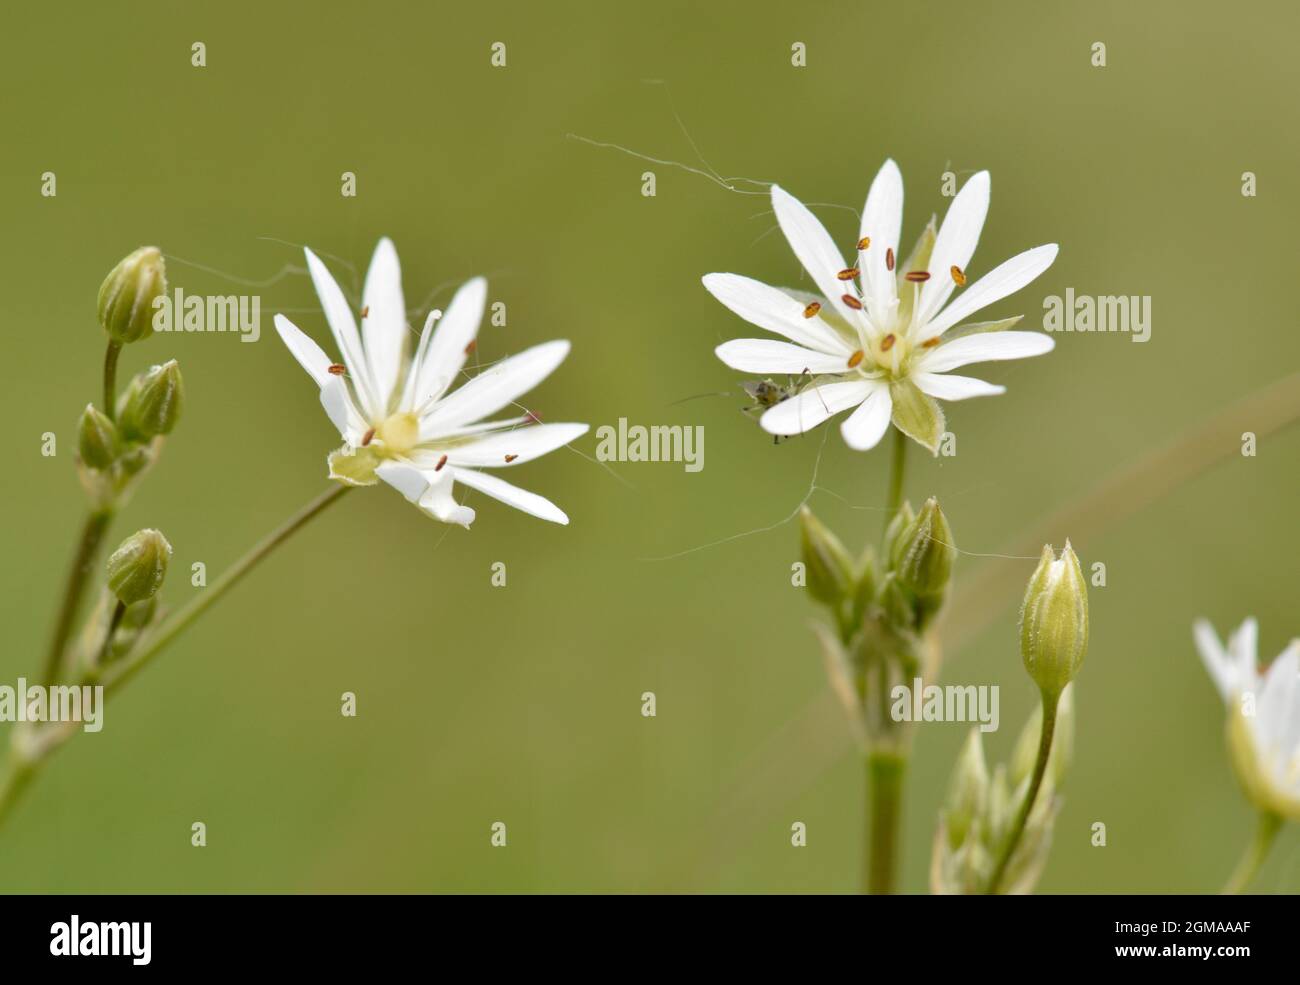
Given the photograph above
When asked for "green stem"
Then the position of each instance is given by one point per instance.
(1265, 832)
(92, 535)
(119, 611)
(25, 767)
(1050, 702)
(885, 794)
(897, 469)
(110, 379)
(228, 580)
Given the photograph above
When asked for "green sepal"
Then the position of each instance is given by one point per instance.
(916, 414)
(980, 327)
(354, 466)
(918, 259)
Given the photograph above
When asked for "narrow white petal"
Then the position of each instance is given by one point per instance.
(805, 410)
(339, 316)
(520, 499)
(771, 356)
(445, 355)
(310, 356)
(383, 324)
(882, 221)
(1215, 658)
(984, 347)
(494, 388)
(336, 400)
(406, 479)
(773, 310)
(863, 429)
(955, 244)
(430, 491)
(1243, 652)
(491, 451)
(998, 283)
(943, 387)
(813, 245)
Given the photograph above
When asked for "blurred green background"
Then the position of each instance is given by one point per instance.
(522, 704)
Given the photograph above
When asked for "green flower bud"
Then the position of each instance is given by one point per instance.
(1054, 621)
(96, 439)
(968, 790)
(151, 404)
(126, 298)
(136, 569)
(829, 566)
(898, 526)
(923, 553)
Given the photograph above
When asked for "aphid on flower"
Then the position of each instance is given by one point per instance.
(766, 394)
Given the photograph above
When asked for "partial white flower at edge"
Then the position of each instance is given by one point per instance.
(400, 419)
(882, 336)
(1264, 714)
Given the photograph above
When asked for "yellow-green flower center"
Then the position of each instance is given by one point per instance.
(397, 434)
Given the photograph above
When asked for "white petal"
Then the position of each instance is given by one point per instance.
(1002, 280)
(430, 491)
(955, 387)
(955, 244)
(310, 356)
(1243, 654)
(339, 316)
(813, 245)
(805, 410)
(494, 388)
(383, 327)
(521, 445)
(863, 429)
(984, 347)
(442, 352)
(771, 356)
(520, 499)
(336, 400)
(773, 310)
(1215, 658)
(882, 221)
(1277, 698)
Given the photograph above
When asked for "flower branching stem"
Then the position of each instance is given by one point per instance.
(29, 756)
(92, 536)
(897, 468)
(1265, 832)
(885, 771)
(1050, 703)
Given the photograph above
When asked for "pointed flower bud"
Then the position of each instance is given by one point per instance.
(151, 404)
(96, 439)
(898, 526)
(828, 564)
(968, 790)
(923, 553)
(126, 298)
(136, 569)
(1054, 621)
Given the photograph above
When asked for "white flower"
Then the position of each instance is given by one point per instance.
(875, 338)
(1263, 715)
(399, 421)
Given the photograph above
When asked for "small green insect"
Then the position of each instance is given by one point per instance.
(766, 394)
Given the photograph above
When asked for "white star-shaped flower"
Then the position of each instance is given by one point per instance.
(400, 419)
(882, 337)
(1264, 714)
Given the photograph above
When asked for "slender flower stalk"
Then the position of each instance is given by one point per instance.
(110, 378)
(885, 774)
(92, 536)
(1265, 834)
(1050, 703)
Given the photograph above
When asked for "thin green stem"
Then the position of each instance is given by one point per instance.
(110, 379)
(885, 772)
(25, 766)
(897, 469)
(92, 535)
(1050, 702)
(228, 580)
(1265, 833)
(119, 611)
